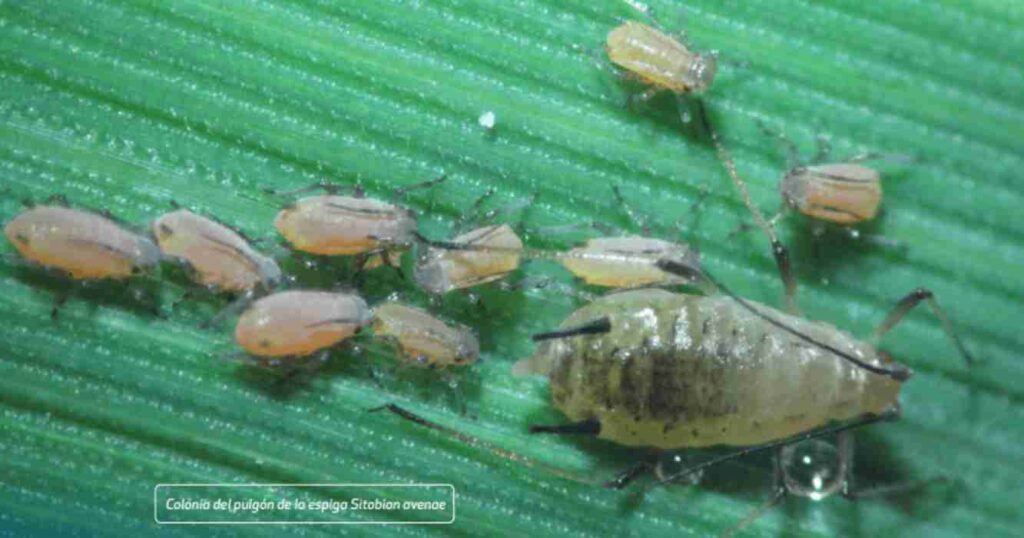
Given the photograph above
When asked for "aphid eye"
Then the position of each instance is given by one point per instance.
(165, 230)
(136, 270)
(21, 238)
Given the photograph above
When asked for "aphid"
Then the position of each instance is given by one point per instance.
(628, 262)
(665, 370)
(659, 60)
(335, 225)
(219, 257)
(471, 259)
(422, 339)
(299, 323)
(485, 254)
(842, 193)
(83, 245)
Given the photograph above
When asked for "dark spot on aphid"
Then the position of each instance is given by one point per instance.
(264, 343)
(695, 432)
(136, 270)
(704, 327)
(756, 424)
(666, 428)
(165, 230)
(723, 429)
(21, 238)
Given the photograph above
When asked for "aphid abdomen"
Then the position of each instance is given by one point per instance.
(659, 59)
(344, 225)
(441, 270)
(687, 371)
(300, 322)
(424, 340)
(840, 193)
(220, 257)
(626, 262)
(82, 244)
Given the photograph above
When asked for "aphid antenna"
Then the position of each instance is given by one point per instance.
(894, 158)
(599, 326)
(640, 222)
(890, 414)
(897, 371)
(235, 307)
(323, 184)
(476, 442)
(400, 192)
(907, 303)
(778, 249)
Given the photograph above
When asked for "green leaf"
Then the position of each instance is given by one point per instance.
(126, 106)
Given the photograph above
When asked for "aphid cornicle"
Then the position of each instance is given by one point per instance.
(83, 245)
(628, 261)
(659, 60)
(471, 259)
(422, 339)
(298, 323)
(219, 257)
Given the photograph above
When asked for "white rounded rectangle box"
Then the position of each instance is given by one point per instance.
(304, 504)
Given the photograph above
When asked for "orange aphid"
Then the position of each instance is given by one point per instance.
(492, 252)
(220, 257)
(659, 60)
(842, 193)
(424, 340)
(300, 322)
(345, 225)
(628, 262)
(82, 244)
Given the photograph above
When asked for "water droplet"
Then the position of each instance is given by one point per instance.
(812, 469)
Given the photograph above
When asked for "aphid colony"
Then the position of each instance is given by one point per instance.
(645, 367)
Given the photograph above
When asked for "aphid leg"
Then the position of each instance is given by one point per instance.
(402, 191)
(907, 303)
(236, 306)
(58, 199)
(472, 214)
(778, 493)
(460, 399)
(824, 148)
(478, 443)
(323, 184)
(58, 303)
(889, 414)
(636, 99)
(630, 474)
(792, 152)
(584, 427)
(779, 251)
(510, 208)
(898, 158)
(139, 295)
(638, 221)
(597, 326)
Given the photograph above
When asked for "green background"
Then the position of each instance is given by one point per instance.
(126, 106)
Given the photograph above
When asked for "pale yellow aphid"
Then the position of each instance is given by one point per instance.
(489, 254)
(298, 323)
(843, 193)
(659, 60)
(424, 340)
(674, 370)
(628, 262)
(220, 258)
(335, 225)
(81, 244)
